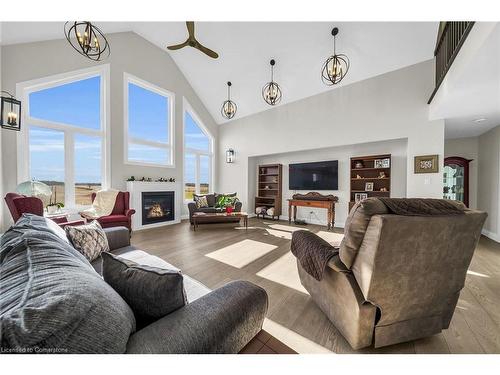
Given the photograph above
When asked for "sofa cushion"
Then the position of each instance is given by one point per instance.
(210, 198)
(201, 201)
(355, 228)
(88, 239)
(53, 299)
(151, 292)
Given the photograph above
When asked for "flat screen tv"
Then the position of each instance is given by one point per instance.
(322, 175)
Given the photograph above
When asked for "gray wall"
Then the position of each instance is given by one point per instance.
(467, 148)
(130, 53)
(397, 149)
(488, 198)
(389, 106)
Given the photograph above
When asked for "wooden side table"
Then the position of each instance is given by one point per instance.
(315, 200)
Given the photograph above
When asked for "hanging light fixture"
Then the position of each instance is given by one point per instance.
(271, 92)
(336, 66)
(229, 107)
(10, 115)
(87, 39)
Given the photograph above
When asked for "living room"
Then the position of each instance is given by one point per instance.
(243, 186)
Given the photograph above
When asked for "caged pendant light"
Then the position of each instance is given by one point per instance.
(336, 66)
(271, 92)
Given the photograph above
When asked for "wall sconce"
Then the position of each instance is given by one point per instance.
(230, 156)
(10, 115)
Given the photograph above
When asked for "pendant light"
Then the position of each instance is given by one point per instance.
(87, 39)
(271, 92)
(229, 107)
(336, 66)
(10, 112)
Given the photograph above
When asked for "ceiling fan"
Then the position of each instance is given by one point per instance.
(192, 42)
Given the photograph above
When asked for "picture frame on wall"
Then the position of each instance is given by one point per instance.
(369, 186)
(426, 164)
(358, 197)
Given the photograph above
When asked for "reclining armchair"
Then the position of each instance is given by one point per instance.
(395, 278)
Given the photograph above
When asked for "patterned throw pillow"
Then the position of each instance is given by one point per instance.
(89, 239)
(201, 201)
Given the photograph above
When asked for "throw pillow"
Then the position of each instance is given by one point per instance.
(151, 292)
(224, 200)
(89, 239)
(201, 201)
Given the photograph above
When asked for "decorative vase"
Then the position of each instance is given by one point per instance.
(52, 209)
(229, 209)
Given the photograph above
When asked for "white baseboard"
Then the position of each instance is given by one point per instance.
(491, 235)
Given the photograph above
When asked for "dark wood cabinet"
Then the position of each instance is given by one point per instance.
(456, 179)
(269, 188)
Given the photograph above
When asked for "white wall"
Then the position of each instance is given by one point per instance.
(467, 148)
(129, 53)
(397, 149)
(386, 107)
(488, 198)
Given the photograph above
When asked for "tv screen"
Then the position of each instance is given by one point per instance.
(322, 175)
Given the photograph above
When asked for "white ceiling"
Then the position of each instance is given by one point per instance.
(245, 49)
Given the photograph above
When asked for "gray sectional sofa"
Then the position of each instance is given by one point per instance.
(52, 300)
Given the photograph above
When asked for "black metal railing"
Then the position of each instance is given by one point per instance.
(451, 37)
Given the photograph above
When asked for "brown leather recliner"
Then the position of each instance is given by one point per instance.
(396, 278)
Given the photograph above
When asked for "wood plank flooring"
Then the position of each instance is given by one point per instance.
(293, 317)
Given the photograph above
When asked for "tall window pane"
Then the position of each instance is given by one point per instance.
(148, 116)
(194, 137)
(46, 149)
(88, 166)
(148, 154)
(76, 103)
(189, 176)
(204, 174)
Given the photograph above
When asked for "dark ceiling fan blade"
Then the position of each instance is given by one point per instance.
(206, 50)
(178, 46)
(190, 27)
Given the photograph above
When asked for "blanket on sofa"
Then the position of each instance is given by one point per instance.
(423, 206)
(313, 252)
(103, 204)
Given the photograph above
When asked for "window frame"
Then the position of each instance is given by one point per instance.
(24, 89)
(187, 108)
(170, 145)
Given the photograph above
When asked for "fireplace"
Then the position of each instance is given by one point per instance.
(157, 207)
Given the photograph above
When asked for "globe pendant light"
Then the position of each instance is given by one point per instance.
(271, 92)
(87, 39)
(336, 66)
(229, 107)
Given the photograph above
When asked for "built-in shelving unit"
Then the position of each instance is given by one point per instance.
(369, 170)
(269, 188)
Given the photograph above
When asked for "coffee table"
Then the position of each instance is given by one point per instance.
(219, 217)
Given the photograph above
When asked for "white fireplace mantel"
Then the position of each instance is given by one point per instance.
(136, 188)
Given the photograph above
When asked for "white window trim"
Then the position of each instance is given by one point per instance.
(170, 145)
(186, 107)
(23, 89)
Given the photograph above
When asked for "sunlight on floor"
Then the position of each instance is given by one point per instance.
(332, 238)
(241, 253)
(295, 341)
(279, 233)
(283, 271)
(285, 227)
(469, 272)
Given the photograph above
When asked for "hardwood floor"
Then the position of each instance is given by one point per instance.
(216, 254)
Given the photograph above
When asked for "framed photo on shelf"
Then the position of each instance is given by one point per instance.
(382, 163)
(358, 197)
(369, 186)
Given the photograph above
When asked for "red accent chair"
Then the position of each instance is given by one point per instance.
(121, 216)
(19, 204)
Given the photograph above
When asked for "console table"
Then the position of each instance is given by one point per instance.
(315, 200)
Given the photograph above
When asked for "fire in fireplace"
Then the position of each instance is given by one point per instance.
(157, 207)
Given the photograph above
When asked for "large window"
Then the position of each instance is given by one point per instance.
(198, 156)
(65, 134)
(149, 119)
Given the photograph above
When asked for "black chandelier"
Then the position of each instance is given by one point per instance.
(229, 107)
(87, 39)
(336, 66)
(10, 112)
(271, 92)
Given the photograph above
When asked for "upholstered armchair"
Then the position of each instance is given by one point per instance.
(121, 216)
(19, 204)
(395, 278)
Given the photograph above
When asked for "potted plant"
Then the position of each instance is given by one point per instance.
(54, 205)
(227, 203)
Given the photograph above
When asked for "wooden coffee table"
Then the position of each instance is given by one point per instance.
(218, 217)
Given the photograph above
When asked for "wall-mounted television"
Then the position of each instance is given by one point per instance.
(322, 175)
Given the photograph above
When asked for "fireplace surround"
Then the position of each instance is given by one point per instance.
(157, 206)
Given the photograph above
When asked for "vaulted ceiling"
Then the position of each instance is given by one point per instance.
(245, 49)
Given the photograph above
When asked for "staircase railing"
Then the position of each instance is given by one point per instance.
(451, 37)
